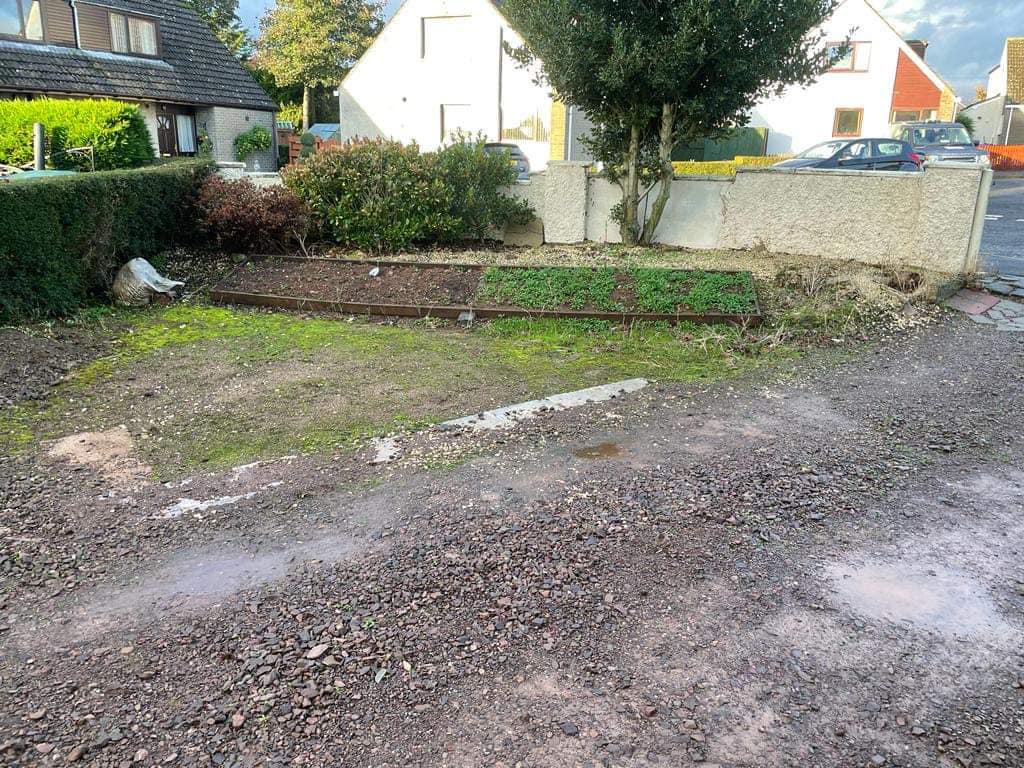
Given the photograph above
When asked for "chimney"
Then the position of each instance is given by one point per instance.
(918, 46)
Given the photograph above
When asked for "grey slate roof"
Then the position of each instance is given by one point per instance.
(195, 68)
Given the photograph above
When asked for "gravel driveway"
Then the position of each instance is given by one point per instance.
(821, 566)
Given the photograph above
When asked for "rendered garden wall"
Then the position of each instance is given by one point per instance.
(929, 220)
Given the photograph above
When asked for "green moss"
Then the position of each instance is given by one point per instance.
(16, 430)
(215, 387)
(591, 351)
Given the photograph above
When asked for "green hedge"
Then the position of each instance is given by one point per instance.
(65, 237)
(116, 131)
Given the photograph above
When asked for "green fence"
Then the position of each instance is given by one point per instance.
(751, 142)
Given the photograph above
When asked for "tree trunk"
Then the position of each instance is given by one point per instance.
(630, 229)
(307, 107)
(666, 142)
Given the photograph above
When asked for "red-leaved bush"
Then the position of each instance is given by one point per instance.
(244, 218)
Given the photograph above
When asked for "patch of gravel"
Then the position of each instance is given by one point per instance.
(554, 602)
(37, 358)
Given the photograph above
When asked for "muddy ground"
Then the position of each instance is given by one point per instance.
(820, 565)
(34, 360)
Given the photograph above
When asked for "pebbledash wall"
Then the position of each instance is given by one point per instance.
(931, 220)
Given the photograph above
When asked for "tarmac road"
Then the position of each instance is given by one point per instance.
(1002, 246)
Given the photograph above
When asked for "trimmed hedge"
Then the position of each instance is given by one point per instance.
(116, 131)
(725, 167)
(65, 237)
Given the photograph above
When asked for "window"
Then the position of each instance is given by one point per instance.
(143, 36)
(444, 37)
(912, 115)
(21, 18)
(456, 118)
(856, 59)
(131, 34)
(856, 151)
(888, 148)
(847, 122)
(186, 128)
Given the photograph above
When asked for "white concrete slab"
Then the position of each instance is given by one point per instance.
(511, 414)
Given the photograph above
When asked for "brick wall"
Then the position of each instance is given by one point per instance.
(223, 124)
(947, 106)
(1015, 68)
(557, 135)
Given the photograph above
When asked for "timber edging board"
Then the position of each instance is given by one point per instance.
(452, 311)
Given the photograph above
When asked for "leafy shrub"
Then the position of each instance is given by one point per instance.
(381, 195)
(256, 139)
(243, 218)
(116, 131)
(292, 112)
(475, 181)
(376, 195)
(65, 237)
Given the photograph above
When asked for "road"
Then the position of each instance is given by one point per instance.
(816, 566)
(1002, 247)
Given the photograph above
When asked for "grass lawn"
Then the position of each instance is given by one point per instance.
(208, 386)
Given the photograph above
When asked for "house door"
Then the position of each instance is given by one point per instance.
(165, 135)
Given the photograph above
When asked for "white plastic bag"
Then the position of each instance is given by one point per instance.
(138, 283)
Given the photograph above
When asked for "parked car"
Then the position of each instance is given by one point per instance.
(858, 155)
(516, 157)
(941, 142)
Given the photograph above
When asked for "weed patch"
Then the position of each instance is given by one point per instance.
(666, 291)
(551, 288)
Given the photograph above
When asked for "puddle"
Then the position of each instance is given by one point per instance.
(197, 578)
(599, 451)
(935, 598)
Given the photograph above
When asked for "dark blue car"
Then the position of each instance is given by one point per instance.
(858, 155)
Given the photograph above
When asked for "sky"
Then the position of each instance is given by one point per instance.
(966, 36)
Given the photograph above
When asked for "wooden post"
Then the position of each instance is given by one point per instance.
(38, 147)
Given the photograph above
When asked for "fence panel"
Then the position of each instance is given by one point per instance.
(1005, 157)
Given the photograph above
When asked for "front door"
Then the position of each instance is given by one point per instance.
(165, 135)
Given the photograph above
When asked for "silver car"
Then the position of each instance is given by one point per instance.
(941, 142)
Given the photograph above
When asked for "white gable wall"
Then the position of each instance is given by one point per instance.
(438, 65)
(998, 76)
(804, 116)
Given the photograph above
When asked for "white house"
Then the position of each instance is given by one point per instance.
(999, 117)
(439, 66)
(883, 80)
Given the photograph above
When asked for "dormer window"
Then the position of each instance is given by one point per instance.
(21, 19)
(132, 34)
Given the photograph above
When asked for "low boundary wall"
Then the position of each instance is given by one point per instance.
(929, 220)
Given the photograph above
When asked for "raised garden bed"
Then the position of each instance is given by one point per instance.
(411, 289)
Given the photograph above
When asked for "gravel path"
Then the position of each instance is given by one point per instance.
(818, 567)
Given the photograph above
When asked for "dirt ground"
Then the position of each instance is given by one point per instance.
(816, 564)
(340, 281)
(33, 362)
